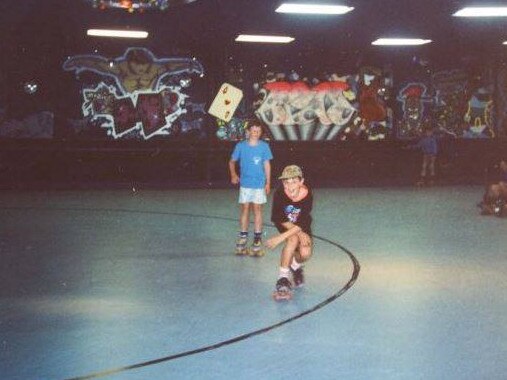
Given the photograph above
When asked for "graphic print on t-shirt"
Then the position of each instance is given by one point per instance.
(292, 213)
(257, 160)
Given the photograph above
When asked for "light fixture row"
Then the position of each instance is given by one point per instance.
(321, 9)
(340, 9)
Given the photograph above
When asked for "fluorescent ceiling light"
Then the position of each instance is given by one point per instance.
(400, 41)
(268, 39)
(482, 12)
(117, 33)
(504, 43)
(313, 9)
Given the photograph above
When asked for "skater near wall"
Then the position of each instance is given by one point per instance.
(253, 155)
(429, 147)
(495, 196)
(291, 214)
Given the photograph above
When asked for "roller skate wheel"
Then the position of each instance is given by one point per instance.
(285, 296)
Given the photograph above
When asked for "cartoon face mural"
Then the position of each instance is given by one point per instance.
(413, 96)
(451, 91)
(479, 115)
(138, 98)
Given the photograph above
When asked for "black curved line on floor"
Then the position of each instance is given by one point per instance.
(348, 285)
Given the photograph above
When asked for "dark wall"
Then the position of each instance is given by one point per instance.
(57, 164)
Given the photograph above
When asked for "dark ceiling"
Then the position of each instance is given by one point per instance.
(37, 36)
(210, 26)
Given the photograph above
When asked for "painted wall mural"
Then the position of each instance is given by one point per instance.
(336, 108)
(139, 95)
(414, 99)
(451, 89)
(501, 80)
(454, 102)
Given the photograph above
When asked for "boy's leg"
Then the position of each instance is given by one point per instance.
(288, 251)
(424, 168)
(257, 209)
(431, 166)
(242, 240)
(492, 194)
(302, 254)
(283, 286)
(256, 248)
(244, 217)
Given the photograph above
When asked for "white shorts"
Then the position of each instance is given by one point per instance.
(247, 195)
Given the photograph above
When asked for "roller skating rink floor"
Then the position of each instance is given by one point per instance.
(405, 283)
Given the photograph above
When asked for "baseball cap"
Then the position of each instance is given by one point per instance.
(291, 171)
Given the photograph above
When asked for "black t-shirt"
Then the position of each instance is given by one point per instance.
(298, 213)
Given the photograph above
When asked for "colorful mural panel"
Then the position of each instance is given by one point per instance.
(455, 103)
(336, 108)
(501, 81)
(140, 95)
(414, 99)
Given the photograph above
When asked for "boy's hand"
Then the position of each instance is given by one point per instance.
(234, 179)
(267, 188)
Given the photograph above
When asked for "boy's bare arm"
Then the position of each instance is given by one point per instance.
(275, 240)
(233, 173)
(267, 172)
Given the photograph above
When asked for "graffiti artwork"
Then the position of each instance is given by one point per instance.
(339, 108)
(479, 115)
(413, 97)
(296, 111)
(136, 94)
(451, 89)
(502, 101)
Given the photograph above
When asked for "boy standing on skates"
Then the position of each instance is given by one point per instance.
(254, 157)
(429, 147)
(291, 214)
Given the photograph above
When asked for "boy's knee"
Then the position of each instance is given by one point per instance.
(293, 240)
(305, 253)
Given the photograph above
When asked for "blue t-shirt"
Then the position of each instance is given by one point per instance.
(251, 163)
(428, 145)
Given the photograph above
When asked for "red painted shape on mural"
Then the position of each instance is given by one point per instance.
(150, 110)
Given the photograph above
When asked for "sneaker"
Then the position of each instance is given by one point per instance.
(283, 285)
(298, 277)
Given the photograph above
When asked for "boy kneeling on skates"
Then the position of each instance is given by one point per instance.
(495, 197)
(291, 214)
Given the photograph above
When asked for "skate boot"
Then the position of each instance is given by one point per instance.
(421, 182)
(283, 290)
(241, 246)
(298, 277)
(498, 207)
(256, 249)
